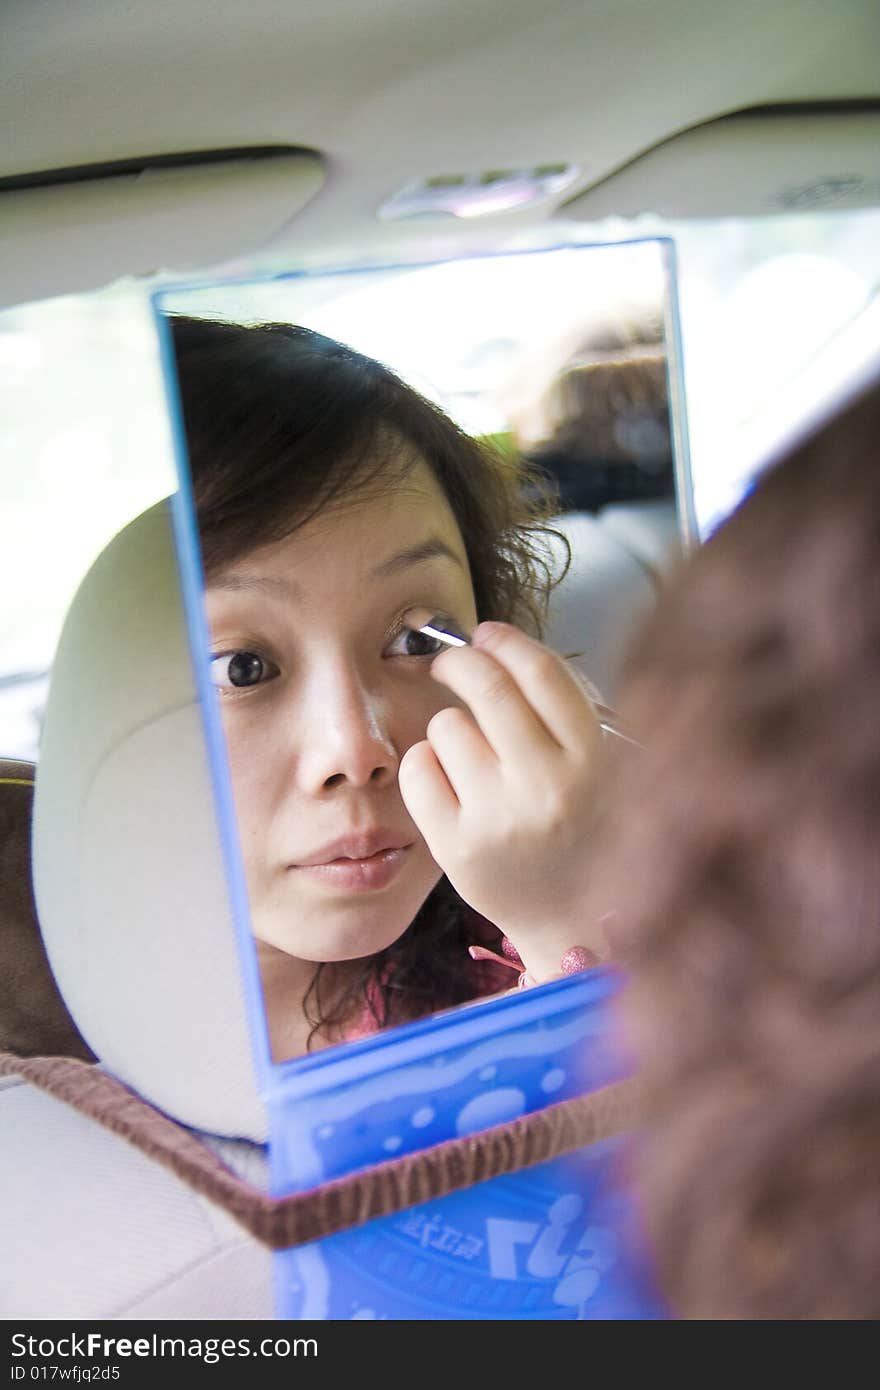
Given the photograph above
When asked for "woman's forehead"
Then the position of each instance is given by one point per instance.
(375, 537)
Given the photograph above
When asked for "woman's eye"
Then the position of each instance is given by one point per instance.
(238, 670)
(410, 642)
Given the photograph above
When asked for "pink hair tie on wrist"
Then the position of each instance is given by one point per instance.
(578, 958)
(575, 959)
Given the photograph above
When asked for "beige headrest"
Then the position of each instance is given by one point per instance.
(128, 872)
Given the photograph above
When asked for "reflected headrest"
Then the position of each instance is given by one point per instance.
(128, 872)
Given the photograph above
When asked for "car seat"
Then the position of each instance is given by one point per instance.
(130, 892)
(136, 1185)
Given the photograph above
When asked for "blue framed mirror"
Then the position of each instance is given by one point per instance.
(376, 1032)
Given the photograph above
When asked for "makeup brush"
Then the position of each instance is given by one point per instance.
(422, 620)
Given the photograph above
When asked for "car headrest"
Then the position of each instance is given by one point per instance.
(128, 872)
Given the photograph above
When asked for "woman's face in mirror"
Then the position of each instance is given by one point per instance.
(322, 690)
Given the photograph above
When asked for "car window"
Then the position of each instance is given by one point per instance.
(85, 443)
(84, 447)
(774, 314)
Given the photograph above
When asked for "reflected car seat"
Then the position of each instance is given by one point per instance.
(618, 562)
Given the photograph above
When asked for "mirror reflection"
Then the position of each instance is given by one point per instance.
(413, 813)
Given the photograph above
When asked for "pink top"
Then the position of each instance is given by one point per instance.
(489, 972)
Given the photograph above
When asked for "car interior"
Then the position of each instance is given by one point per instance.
(334, 165)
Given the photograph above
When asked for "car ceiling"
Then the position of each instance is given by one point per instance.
(385, 93)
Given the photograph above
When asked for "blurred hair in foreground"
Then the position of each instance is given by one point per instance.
(740, 857)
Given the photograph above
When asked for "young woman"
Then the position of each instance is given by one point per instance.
(398, 802)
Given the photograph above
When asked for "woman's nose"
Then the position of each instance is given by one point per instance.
(346, 739)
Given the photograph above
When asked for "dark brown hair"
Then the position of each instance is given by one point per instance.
(282, 423)
(740, 859)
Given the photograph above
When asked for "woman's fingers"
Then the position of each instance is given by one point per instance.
(499, 712)
(469, 762)
(521, 694)
(503, 790)
(429, 798)
(554, 690)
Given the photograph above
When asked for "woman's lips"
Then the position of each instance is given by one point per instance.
(365, 875)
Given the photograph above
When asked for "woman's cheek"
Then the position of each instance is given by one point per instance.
(255, 759)
(434, 697)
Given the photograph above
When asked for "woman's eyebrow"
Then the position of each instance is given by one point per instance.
(431, 549)
(259, 583)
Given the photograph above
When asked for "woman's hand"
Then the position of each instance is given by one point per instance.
(503, 791)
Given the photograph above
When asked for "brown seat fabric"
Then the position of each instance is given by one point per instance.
(398, 1183)
(33, 1017)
